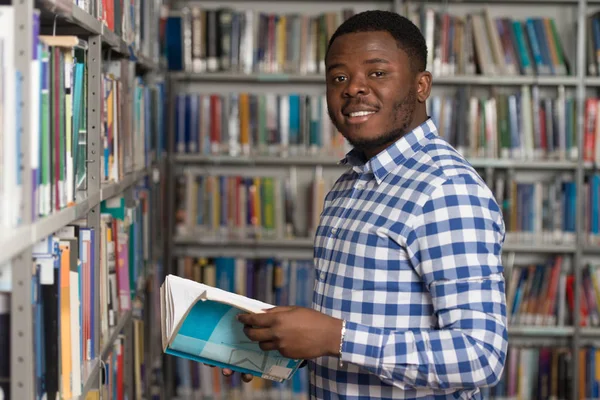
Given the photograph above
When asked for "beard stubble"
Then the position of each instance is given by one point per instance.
(403, 111)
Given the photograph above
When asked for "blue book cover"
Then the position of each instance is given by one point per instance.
(199, 323)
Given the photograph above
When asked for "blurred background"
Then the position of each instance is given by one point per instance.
(142, 138)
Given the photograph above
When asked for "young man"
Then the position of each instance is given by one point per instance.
(409, 299)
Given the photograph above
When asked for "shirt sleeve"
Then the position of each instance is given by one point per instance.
(454, 244)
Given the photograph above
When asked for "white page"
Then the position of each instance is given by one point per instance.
(184, 293)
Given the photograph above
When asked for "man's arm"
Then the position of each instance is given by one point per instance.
(454, 245)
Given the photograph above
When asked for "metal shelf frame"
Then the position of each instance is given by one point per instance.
(65, 18)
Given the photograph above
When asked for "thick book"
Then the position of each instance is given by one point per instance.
(199, 323)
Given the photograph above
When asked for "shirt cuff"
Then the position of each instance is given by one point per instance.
(362, 345)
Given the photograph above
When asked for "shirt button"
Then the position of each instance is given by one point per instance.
(360, 186)
(322, 276)
(333, 231)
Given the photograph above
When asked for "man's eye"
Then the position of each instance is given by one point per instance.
(378, 74)
(339, 78)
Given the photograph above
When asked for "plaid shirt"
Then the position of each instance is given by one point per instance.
(408, 252)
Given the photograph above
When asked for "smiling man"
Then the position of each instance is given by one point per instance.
(409, 300)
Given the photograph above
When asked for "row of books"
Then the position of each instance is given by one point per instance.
(245, 206)
(249, 206)
(274, 281)
(201, 40)
(541, 294)
(128, 19)
(222, 39)
(477, 43)
(65, 288)
(593, 45)
(114, 384)
(544, 294)
(521, 124)
(540, 210)
(255, 124)
(544, 209)
(58, 134)
(133, 121)
(60, 159)
(547, 373)
(538, 373)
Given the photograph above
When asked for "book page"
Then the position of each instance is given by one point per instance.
(184, 293)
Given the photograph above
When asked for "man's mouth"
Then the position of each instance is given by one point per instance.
(358, 117)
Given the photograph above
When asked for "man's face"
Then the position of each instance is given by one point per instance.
(371, 90)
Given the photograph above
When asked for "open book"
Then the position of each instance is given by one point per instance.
(199, 323)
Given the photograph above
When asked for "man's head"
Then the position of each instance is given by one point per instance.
(376, 79)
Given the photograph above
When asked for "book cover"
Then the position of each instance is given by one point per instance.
(199, 323)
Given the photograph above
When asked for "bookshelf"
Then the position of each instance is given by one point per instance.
(65, 146)
(195, 237)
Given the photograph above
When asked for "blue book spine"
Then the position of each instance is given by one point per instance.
(544, 43)
(521, 45)
(174, 43)
(535, 47)
(294, 100)
(187, 126)
(595, 186)
(180, 123)
(596, 33)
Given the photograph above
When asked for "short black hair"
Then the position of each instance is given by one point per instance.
(407, 35)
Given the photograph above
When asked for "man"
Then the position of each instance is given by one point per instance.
(409, 298)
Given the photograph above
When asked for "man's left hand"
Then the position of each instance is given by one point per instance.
(296, 332)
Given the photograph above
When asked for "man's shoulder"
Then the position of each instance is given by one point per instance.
(436, 164)
(440, 170)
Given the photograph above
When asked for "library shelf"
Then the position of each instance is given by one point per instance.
(111, 189)
(480, 80)
(227, 246)
(26, 236)
(547, 331)
(91, 369)
(315, 160)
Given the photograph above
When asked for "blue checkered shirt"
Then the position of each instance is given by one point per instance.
(408, 252)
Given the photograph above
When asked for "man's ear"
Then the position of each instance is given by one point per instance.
(424, 80)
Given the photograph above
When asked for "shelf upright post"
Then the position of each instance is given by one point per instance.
(129, 360)
(579, 238)
(21, 327)
(169, 362)
(95, 96)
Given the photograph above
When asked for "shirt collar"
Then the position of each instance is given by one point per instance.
(394, 155)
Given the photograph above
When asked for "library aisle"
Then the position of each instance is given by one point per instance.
(82, 153)
(147, 138)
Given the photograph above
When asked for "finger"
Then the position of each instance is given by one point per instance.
(268, 345)
(259, 334)
(263, 320)
(247, 377)
(227, 372)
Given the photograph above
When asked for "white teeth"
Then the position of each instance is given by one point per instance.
(361, 113)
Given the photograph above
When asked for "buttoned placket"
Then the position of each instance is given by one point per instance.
(360, 185)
